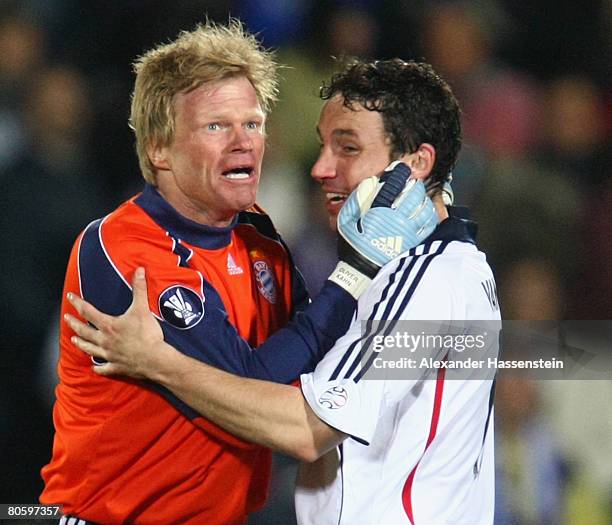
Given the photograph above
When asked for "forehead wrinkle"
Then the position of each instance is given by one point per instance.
(220, 96)
(230, 114)
(344, 133)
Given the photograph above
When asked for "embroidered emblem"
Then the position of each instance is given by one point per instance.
(181, 307)
(266, 282)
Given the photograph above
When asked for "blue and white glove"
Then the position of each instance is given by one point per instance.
(382, 218)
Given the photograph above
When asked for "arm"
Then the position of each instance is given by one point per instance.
(269, 414)
(273, 415)
(286, 354)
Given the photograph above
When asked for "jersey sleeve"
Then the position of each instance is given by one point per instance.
(294, 349)
(313, 329)
(340, 391)
(286, 354)
(298, 347)
(349, 405)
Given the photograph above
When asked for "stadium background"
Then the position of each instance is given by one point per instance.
(533, 79)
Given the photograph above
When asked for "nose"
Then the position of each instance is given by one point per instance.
(324, 167)
(241, 140)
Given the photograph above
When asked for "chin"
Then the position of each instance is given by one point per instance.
(243, 203)
(333, 222)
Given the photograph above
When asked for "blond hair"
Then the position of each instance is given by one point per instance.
(209, 53)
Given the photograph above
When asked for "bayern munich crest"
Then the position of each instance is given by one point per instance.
(265, 281)
(181, 307)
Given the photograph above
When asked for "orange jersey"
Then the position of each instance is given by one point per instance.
(130, 452)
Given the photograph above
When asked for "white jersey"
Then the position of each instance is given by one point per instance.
(420, 451)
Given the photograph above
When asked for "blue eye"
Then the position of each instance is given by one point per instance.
(213, 126)
(252, 125)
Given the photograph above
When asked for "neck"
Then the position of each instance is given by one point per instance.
(440, 207)
(190, 210)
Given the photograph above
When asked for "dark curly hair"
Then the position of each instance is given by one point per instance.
(416, 106)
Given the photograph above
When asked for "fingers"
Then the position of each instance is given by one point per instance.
(116, 369)
(140, 299)
(88, 311)
(394, 183)
(410, 198)
(365, 193)
(89, 347)
(107, 369)
(85, 331)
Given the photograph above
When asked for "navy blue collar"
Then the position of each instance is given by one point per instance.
(457, 227)
(180, 227)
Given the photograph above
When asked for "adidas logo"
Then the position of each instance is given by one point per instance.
(390, 246)
(181, 308)
(232, 267)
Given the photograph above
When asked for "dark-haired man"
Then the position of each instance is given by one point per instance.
(415, 450)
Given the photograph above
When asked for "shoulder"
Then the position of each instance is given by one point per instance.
(448, 261)
(125, 233)
(111, 247)
(256, 229)
(428, 282)
(129, 222)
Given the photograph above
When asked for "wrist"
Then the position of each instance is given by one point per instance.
(164, 364)
(349, 278)
(352, 256)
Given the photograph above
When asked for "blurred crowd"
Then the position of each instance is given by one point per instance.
(533, 79)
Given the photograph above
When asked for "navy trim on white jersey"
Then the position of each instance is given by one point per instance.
(419, 253)
(435, 425)
(478, 463)
(393, 319)
(383, 298)
(352, 346)
(451, 229)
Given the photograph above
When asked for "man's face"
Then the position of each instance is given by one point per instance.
(211, 169)
(353, 148)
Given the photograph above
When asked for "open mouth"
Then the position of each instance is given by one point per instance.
(239, 173)
(336, 198)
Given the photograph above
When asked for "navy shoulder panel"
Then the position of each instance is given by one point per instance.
(101, 282)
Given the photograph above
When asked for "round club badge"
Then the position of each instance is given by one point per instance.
(334, 398)
(265, 281)
(181, 307)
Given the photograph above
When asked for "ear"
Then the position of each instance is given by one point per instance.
(158, 155)
(422, 161)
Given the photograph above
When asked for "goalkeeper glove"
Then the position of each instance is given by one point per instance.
(382, 218)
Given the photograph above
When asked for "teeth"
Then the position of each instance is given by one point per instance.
(335, 196)
(237, 175)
